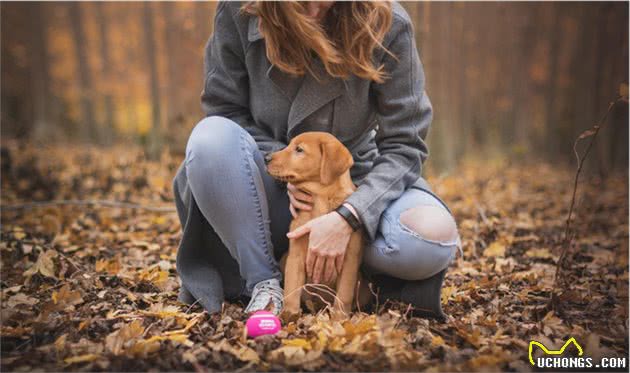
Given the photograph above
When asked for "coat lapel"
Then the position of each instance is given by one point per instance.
(312, 93)
(253, 33)
(285, 83)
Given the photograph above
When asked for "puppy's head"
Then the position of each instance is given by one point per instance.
(312, 156)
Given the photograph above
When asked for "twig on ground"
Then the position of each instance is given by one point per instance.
(482, 214)
(191, 305)
(568, 238)
(78, 202)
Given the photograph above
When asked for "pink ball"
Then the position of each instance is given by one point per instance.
(261, 323)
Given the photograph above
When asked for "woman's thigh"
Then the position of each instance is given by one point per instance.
(401, 252)
(218, 151)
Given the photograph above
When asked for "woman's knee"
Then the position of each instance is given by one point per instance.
(432, 223)
(214, 140)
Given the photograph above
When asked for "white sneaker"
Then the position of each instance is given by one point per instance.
(266, 293)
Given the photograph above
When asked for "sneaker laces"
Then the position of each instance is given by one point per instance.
(265, 293)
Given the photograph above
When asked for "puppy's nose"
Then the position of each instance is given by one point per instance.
(268, 157)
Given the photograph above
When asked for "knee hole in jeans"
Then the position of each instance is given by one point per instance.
(430, 222)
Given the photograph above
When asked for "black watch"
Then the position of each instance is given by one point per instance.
(345, 213)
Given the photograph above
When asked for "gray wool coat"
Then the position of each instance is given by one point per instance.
(383, 125)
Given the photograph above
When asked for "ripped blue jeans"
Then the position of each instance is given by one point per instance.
(248, 211)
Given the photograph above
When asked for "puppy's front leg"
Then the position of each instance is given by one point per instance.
(347, 281)
(294, 276)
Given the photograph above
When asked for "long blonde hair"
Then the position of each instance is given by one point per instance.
(344, 42)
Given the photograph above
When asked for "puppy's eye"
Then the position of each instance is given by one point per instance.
(298, 149)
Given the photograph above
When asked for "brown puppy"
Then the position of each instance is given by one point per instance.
(319, 164)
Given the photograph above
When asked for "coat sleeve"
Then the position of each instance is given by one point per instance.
(226, 86)
(405, 116)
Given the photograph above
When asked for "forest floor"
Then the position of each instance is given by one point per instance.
(95, 288)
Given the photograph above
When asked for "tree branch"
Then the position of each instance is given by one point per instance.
(568, 238)
(95, 202)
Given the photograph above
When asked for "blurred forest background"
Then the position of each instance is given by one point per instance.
(516, 80)
(97, 102)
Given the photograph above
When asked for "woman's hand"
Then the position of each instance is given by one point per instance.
(327, 242)
(298, 200)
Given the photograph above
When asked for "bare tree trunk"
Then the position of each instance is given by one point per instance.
(154, 141)
(174, 100)
(460, 86)
(551, 100)
(521, 82)
(88, 125)
(108, 127)
(38, 64)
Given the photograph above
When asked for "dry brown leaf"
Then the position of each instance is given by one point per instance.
(81, 358)
(44, 265)
(60, 343)
(110, 266)
(122, 338)
(495, 249)
(297, 342)
(539, 253)
(66, 297)
(21, 298)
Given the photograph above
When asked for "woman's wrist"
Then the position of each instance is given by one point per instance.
(349, 215)
(352, 210)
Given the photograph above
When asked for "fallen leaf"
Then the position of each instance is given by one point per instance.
(21, 298)
(44, 265)
(297, 342)
(111, 266)
(66, 297)
(117, 341)
(81, 358)
(495, 249)
(538, 253)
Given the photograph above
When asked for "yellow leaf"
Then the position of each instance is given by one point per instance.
(362, 327)
(447, 291)
(163, 312)
(539, 253)
(437, 341)
(189, 325)
(60, 342)
(322, 339)
(81, 358)
(155, 276)
(83, 324)
(336, 344)
(159, 220)
(145, 347)
(495, 249)
(111, 266)
(297, 342)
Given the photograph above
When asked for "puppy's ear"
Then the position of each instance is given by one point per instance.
(336, 159)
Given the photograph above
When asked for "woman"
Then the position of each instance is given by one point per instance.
(277, 69)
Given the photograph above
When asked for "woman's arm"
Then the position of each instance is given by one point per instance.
(226, 87)
(405, 116)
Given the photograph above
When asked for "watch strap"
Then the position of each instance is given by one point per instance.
(352, 220)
